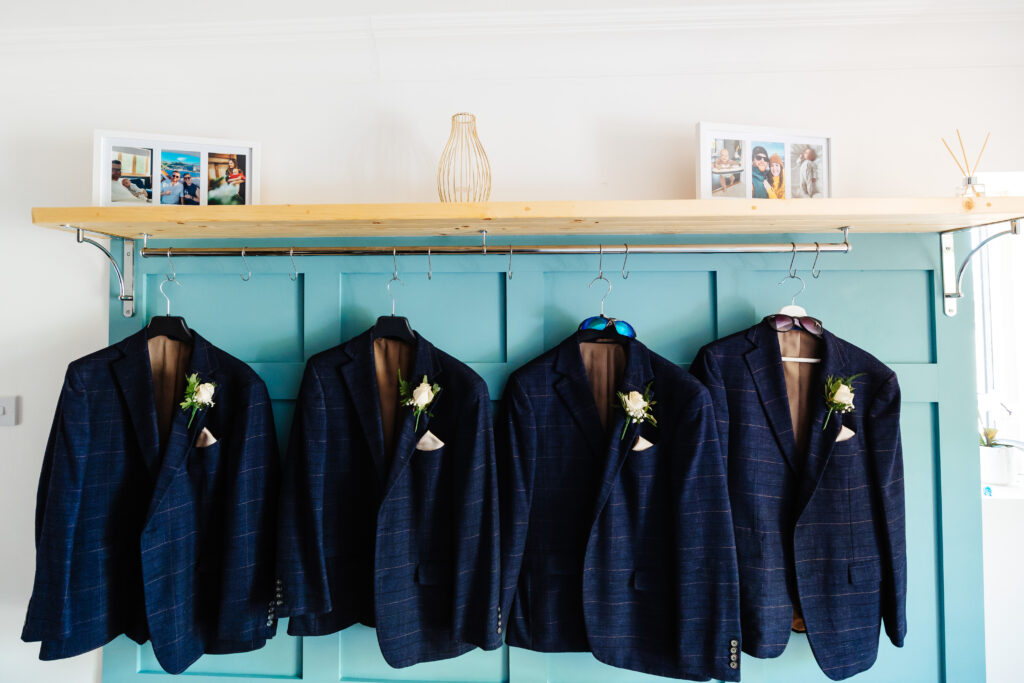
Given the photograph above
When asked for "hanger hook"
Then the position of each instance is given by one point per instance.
(817, 252)
(248, 275)
(430, 268)
(600, 276)
(792, 262)
(170, 263)
(509, 273)
(625, 273)
(803, 286)
(167, 298)
(394, 278)
(294, 275)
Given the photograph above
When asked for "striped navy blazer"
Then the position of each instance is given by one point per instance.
(166, 542)
(408, 544)
(822, 531)
(628, 554)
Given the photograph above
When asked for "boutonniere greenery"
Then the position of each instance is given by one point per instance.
(839, 395)
(637, 407)
(419, 397)
(198, 395)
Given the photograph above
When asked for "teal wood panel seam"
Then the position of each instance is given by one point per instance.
(883, 296)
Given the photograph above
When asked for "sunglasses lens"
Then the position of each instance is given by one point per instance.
(596, 322)
(782, 323)
(625, 329)
(812, 325)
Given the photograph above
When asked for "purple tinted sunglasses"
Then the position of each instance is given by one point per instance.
(785, 323)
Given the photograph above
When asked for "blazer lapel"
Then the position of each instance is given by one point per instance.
(361, 378)
(822, 438)
(765, 364)
(183, 436)
(425, 363)
(135, 380)
(574, 390)
(636, 375)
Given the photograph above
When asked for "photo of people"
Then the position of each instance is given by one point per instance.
(227, 179)
(175, 168)
(131, 175)
(808, 181)
(767, 170)
(727, 168)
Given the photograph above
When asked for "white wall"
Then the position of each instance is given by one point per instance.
(578, 101)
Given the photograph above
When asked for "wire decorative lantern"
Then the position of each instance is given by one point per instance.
(464, 173)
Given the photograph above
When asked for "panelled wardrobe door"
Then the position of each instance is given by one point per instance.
(882, 297)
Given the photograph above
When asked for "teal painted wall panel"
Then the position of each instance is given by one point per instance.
(259, 320)
(882, 296)
(672, 312)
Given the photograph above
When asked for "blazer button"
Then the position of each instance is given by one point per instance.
(733, 665)
(732, 650)
(499, 629)
(734, 642)
(734, 657)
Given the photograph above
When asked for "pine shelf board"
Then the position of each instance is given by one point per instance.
(625, 217)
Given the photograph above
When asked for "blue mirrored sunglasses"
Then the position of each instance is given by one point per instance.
(599, 322)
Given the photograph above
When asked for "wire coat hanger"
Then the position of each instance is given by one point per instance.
(394, 326)
(600, 276)
(167, 325)
(601, 327)
(792, 309)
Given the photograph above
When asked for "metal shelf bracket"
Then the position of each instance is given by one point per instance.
(126, 280)
(952, 279)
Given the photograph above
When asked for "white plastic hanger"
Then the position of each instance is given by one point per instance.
(792, 309)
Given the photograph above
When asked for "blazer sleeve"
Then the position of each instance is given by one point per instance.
(476, 533)
(883, 426)
(249, 509)
(302, 565)
(707, 579)
(517, 445)
(57, 504)
(705, 368)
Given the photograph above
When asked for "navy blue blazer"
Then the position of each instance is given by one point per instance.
(822, 530)
(408, 544)
(628, 554)
(171, 544)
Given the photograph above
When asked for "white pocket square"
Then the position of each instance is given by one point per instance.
(844, 434)
(429, 442)
(641, 444)
(205, 438)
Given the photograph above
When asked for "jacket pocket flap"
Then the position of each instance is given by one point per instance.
(428, 574)
(865, 572)
(649, 580)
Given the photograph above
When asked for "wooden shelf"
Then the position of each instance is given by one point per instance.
(627, 217)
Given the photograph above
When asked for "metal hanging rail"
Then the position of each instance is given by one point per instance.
(518, 249)
(127, 280)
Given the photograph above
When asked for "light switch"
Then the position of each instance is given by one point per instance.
(8, 411)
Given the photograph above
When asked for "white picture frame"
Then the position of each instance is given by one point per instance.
(731, 176)
(145, 177)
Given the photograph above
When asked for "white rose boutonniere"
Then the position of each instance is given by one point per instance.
(838, 395)
(419, 397)
(198, 395)
(637, 407)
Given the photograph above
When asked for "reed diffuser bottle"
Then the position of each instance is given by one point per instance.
(463, 174)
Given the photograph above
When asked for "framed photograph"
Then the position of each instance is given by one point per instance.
(140, 168)
(749, 162)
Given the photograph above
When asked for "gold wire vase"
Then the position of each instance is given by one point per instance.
(463, 174)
